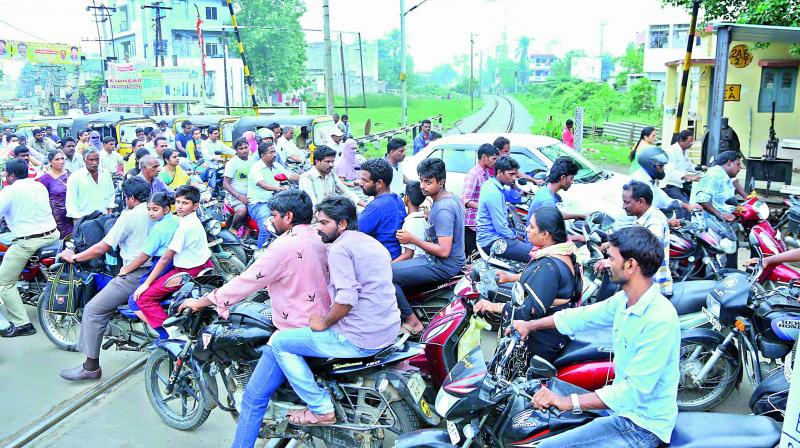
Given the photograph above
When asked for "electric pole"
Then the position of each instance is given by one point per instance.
(159, 50)
(471, 86)
(101, 14)
(326, 31)
(403, 86)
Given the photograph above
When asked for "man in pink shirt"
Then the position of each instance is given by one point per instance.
(294, 270)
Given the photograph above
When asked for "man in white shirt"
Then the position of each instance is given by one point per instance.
(261, 185)
(213, 144)
(395, 154)
(110, 159)
(25, 205)
(335, 142)
(130, 233)
(288, 151)
(90, 188)
(72, 162)
(679, 170)
(319, 182)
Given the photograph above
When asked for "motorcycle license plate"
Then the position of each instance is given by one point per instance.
(416, 385)
(712, 320)
(452, 431)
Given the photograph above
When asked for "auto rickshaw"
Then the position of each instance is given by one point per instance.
(61, 125)
(120, 125)
(319, 126)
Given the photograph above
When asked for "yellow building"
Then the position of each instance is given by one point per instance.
(755, 78)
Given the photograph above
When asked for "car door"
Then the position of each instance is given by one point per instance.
(459, 159)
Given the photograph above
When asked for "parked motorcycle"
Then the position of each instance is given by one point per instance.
(370, 395)
(789, 223)
(699, 248)
(33, 277)
(222, 242)
(763, 325)
(483, 408)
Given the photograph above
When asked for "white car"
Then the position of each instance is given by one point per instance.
(594, 189)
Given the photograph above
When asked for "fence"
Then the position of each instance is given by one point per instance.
(389, 134)
(624, 131)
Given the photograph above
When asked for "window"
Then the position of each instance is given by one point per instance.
(212, 49)
(128, 50)
(211, 13)
(528, 163)
(124, 24)
(680, 34)
(210, 83)
(659, 36)
(460, 159)
(778, 85)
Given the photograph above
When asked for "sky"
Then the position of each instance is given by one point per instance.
(436, 31)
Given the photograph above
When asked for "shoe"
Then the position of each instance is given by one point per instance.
(80, 374)
(22, 330)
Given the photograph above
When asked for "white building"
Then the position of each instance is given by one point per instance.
(587, 68)
(540, 66)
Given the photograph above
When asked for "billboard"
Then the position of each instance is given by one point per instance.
(124, 84)
(40, 53)
(171, 84)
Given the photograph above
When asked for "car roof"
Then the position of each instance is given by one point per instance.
(516, 139)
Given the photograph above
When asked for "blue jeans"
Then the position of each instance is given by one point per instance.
(290, 346)
(607, 432)
(266, 379)
(261, 212)
(515, 250)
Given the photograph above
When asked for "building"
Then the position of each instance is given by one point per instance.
(587, 68)
(353, 59)
(134, 40)
(540, 65)
(756, 77)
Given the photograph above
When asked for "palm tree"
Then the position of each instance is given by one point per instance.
(523, 43)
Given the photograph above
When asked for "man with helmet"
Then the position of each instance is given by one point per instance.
(651, 170)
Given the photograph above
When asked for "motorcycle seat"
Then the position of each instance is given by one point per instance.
(690, 297)
(49, 251)
(587, 346)
(390, 353)
(419, 288)
(701, 429)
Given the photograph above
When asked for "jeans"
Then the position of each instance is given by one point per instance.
(607, 432)
(290, 346)
(266, 379)
(515, 250)
(416, 272)
(261, 213)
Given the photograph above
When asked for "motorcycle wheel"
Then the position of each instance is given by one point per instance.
(237, 251)
(61, 329)
(716, 388)
(186, 408)
(228, 266)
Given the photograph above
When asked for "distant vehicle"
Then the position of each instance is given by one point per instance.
(120, 125)
(594, 189)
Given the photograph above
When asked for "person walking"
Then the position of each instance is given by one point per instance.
(567, 135)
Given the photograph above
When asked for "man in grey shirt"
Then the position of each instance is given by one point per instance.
(444, 242)
(129, 232)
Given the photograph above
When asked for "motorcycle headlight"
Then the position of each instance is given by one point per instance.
(444, 402)
(213, 227)
(727, 246)
(712, 305)
(762, 210)
(517, 294)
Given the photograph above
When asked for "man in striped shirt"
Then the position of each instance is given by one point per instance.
(487, 156)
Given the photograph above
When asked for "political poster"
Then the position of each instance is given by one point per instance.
(40, 53)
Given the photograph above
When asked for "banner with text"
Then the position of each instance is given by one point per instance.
(171, 84)
(125, 84)
(40, 53)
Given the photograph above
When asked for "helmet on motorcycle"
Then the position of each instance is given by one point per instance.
(650, 159)
(263, 133)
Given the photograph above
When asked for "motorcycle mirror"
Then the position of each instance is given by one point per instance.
(540, 368)
(732, 201)
(752, 185)
(522, 181)
(218, 152)
(281, 177)
(498, 247)
(518, 294)
(475, 274)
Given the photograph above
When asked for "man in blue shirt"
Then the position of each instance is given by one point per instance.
(560, 178)
(424, 137)
(492, 220)
(646, 342)
(384, 215)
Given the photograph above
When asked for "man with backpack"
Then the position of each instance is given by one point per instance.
(129, 233)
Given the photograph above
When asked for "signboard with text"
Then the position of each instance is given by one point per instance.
(40, 53)
(733, 92)
(171, 84)
(125, 85)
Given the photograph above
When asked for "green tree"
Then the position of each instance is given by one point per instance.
(522, 56)
(562, 67)
(632, 62)
(755, 12)
(276, 46)
(92, 90)
(389, 61)
(444, 74)
(642, 96)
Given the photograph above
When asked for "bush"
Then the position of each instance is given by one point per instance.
(642, 96)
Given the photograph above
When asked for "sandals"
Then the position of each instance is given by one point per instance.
(304, 417)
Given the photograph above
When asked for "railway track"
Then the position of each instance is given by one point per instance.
(510, 123)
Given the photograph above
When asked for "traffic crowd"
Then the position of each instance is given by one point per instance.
(336, 277)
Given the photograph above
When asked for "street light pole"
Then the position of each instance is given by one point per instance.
(403, 85)
(471, 86)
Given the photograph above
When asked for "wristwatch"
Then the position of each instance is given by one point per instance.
(576, 404)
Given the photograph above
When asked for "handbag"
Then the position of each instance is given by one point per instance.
(68, 289)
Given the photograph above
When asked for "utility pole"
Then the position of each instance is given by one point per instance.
(159, 49)
(687, 65)
(101, 14)
(344, 75)
(248, 77)
(602, 37)
(326, 31)
(225, 70)
(480, 77)
(403, 75)
(471, 58)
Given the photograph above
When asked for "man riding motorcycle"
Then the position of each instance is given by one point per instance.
(129, 232)
(646, 340)
(362, 320)
(298, 289)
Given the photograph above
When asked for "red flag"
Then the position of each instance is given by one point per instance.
(202, 45)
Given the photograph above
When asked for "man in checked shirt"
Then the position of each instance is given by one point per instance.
(480, 173)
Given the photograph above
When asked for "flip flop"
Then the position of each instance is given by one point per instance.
(304, 417)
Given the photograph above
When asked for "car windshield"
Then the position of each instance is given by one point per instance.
(587, 170)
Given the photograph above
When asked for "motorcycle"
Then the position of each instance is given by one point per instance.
(33, 277)
(230, 254)
(483, 408)
(125, 330)
(699, 249)
(789, 223)
(370, 395)
(762, 324)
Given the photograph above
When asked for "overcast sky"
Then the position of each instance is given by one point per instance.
(436, 31)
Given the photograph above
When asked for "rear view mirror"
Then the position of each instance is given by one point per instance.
(498, 247)
(281, 177)
(522, 181)
(732, 201)
(540, 368)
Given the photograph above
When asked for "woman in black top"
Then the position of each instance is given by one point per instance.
(550, 282)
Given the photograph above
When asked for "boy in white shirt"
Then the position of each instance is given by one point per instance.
(188, 247)
(110, 159)
(415, 221)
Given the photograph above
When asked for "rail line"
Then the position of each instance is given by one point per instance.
(510, 126)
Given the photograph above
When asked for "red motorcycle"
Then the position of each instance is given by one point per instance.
(33, 277)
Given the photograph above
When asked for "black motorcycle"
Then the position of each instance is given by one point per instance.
(227, 253)
(370, 395)
(482, 408)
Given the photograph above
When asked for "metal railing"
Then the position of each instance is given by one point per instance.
(389, 134)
